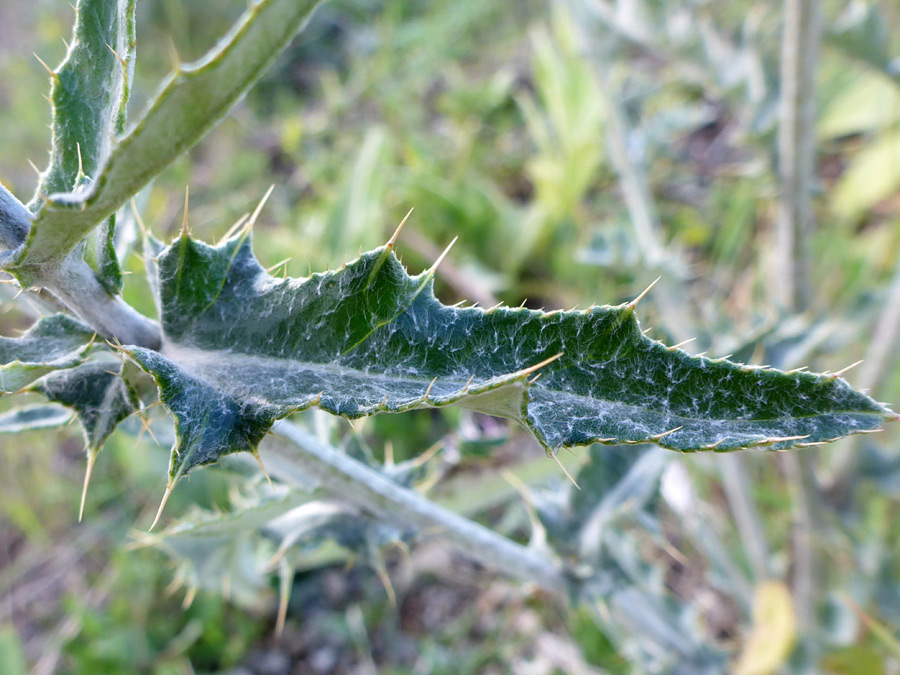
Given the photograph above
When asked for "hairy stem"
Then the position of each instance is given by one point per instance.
(15, 219)
(797, 152)
(377, 494)
(76, 285)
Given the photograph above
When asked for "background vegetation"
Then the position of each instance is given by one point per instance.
(578, 150)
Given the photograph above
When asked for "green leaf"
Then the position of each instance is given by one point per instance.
(195, 98)
(242, 349)
(42, 416)
(53, 343)
(88, 92)
(97, 393)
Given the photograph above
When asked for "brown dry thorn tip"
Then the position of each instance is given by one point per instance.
(537, 366)
(189, 596)
(588, 310)
(522, 305)
(646, 330)
(497, 306)
(262, 467)
(681, 344)
(162, 505)
(393, 239)
(259, 208)
(466, 388)
(116, 54)
(713, 446)
(279, 264)
(185, 232)
(54, 75)
(634, 303)
(234, 228)
(441, 257)
(80, 162)
(91, 458)
(428, 391)
(319, 398)
(553, 456)
(174, 56)
(844, 370)
(137, 217)
(534, 379)
(666, 433)
(428, 454)
(384, 401)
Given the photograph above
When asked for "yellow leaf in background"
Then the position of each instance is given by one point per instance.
(771, 638)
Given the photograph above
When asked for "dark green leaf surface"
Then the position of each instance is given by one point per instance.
(242, 349)
(98, 395)
(53, 343)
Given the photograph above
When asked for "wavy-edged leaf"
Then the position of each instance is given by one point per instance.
(193, 100)
(53, 343)
(242, 349)
(97, 393)
(40, 416)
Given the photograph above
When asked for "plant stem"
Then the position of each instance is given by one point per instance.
(73, 282)
(744, 511)
(15, 220)
(795, 220)
(76, 285)
(375, 493)
(795, 223)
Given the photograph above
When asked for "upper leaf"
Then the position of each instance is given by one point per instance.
(194, 99)
(89, 91)
(242, 349)
(53, 343)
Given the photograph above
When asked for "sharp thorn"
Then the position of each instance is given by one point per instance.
(553, 456)
(137, 218)
(118, 58)
(46, 67)
(185, 232)
(441, 257)
(646, 330)
(259, 207)
(844, 370)
(34, 166)
(537, 366)
(234, 228)
(393, 239)
(162, 505)
(89, 470)
(666, 433)
(263, 468)
(681, 344)
(428, 391)
(634, 303)
(80, 162)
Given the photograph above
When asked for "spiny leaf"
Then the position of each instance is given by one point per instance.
(41, 416)
(97, 393)
(53, 343)
(88, 91)
(194, 99)
(242, 349)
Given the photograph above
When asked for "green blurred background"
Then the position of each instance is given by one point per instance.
(578, 150)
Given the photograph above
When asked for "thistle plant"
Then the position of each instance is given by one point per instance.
(234, 351)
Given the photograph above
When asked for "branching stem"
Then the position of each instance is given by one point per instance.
(375, 493)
